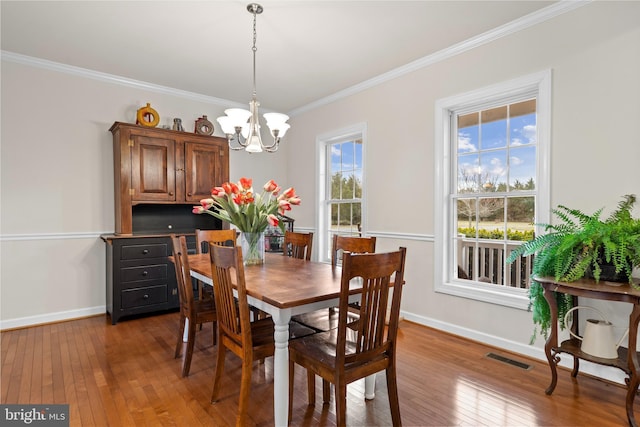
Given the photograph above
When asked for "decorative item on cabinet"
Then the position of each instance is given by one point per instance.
(144, 117)
(177, 125)
(163, 167)
(204, 126)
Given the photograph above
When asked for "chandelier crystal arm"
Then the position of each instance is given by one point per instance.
(242, 127)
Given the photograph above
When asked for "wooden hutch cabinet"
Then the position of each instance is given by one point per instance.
(159, 175)
(163, 166)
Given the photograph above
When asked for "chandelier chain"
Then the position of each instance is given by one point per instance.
(254, 49)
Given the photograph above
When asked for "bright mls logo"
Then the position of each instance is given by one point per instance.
(37, 415)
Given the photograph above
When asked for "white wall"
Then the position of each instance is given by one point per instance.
(57, 177)
(57, 183)
(594, 55)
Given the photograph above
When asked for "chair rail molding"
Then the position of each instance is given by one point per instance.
(53, 236)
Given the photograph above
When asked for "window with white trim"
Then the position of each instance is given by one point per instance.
(492, 149)
(341, 187)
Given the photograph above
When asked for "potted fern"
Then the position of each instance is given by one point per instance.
(578, 246)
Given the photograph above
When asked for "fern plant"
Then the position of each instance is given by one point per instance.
(578, 246)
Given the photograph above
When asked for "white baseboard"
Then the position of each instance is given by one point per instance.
(604, 372)
(22, 322)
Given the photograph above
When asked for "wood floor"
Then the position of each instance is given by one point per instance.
(125, 375)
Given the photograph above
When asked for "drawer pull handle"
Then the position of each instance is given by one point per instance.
(146, 251)
(144, 273)
(145, 296)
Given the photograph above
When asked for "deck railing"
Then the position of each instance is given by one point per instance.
(490, 267)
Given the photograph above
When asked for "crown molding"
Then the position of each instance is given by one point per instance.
(540, 16)
(113, 79)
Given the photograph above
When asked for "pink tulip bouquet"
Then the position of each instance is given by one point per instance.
(237, 204)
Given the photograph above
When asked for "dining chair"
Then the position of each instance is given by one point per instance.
(358, 245)
(249, 340)
(195, 312)
(297, 245)
(320, 320)
(219, 237)
(203, 239)
(340, 356)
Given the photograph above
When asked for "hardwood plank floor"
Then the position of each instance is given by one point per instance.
(125, 375)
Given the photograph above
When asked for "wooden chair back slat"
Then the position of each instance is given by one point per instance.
(204, 238)
(183, 271)
(298, 245)
(227, 269)
(359, 245)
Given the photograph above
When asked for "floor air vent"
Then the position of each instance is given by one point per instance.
(509, 361)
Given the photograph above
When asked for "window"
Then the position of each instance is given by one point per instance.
(341, 187)
(492, 146)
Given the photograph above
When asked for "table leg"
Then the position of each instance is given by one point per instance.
(552, 340)
(370, 387)
(632, 359)
(281, 367)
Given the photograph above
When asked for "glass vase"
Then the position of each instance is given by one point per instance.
(252, 248)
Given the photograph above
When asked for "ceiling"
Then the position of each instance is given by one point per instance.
(306, 50)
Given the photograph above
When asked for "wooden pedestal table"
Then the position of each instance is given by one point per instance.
(627, 359)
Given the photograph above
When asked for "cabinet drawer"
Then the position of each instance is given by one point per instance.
(139, 297)
(144, 251)
(145, 272)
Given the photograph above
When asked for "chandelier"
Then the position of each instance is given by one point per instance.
(242, 127)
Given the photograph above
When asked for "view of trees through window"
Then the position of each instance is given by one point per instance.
(495, 189)
(345, 198)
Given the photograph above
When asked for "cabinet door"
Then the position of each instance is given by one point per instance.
(204, 170)
(153, 169)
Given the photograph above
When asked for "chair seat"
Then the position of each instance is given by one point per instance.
(262, 331)
(321, 345)
(322, 320)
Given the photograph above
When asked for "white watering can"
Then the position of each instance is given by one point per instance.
(598, 339)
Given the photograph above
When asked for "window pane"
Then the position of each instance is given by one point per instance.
(358, 184)
(336, 159)
(356, 212)
(493, 131)
(336, 179)
(491, 214)
(520, 218)
(493, 170)
(523, 130)
(464, 239)
(466, 209)
(335, 213)
(522, 168)
(468, 129)
(468, 173)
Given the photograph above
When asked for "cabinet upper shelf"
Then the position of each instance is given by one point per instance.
(163, 166)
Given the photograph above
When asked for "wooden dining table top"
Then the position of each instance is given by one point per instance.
(282, 281)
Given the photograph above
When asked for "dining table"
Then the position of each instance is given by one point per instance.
(284, 287)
